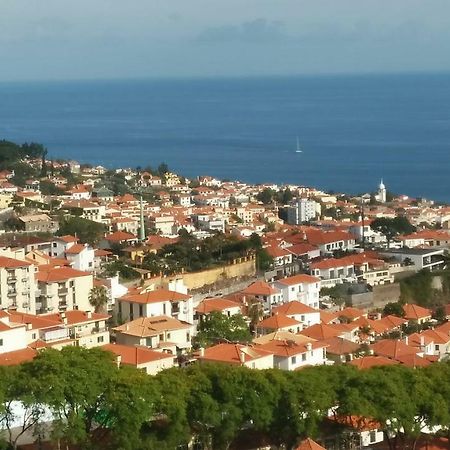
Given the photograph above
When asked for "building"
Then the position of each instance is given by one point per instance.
(63, 288)
(38, 223)
(303, 288)
(301, 211)
(17, 286)
(161, 302)
(161, 332)
(381, 195)
(143, 358)
(249, 356)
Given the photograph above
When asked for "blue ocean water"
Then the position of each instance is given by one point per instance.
(353, 130)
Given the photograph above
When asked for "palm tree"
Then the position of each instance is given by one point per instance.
(98, 298)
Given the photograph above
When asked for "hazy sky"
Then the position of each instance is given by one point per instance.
(61, 39)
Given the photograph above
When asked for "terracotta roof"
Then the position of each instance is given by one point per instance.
(159, 295)
(17, 357)
(215, 304)
(11, 263)
(119, 236)
(75, 249)
(413, 360)
(438, 337)
(392, 348)
(357, 422)
(321, 331)
(36, 322)
(339, 346)
(260, 288)
(294, 308)
(231, 353)
(151, 326)
(309, 444)
(415, 312)
(285, 348)
(54, 274)
(277, 322)
(366, 362)
(135, 355)
(299, 279)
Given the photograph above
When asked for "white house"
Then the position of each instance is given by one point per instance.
(304, 288)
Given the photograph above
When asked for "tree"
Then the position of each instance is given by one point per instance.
(217, 326)
(98, 298)
(86, 230)
(391, 228)
(394, 308)
(266, 196)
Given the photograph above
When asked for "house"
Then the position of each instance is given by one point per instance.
(86, 328)
(81, 257)
(62, 288)
(370, 431)
(223, 305)
(420, 258)
(304, 288)
(249, 356)
(281, 256)
(160, 302)
(302, 313)
(150, 361)
(87, 209)
(416, 313)
(268, 295)
(340, 350)
(161, 332)
(278, 322)
(292, 351)
(393, 349)
(117, 238)
(17, 285)
(58, 245)
(38, 223)
(12, 335)
(439, 341)
(366, 362)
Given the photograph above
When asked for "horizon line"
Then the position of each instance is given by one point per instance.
(200, 77)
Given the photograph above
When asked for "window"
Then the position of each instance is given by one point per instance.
(188, 336)
(72, 284)
(303, 356)
(141, 310)
(253, 365)
(436, 347)
(168, 335)
(33, 336)
(373, 436)
(1, 342)
(54, 244)
(294, 360)
(100, 339)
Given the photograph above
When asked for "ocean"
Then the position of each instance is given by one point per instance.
(352, 130)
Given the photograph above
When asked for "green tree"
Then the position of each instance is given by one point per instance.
(266, 196)
(98, 298)
(85, 230)
(394, 308)
(391, 228)
(217, 326)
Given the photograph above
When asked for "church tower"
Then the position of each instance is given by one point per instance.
(382, 192)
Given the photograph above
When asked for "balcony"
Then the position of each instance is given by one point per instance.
(12, 293)
(11, 278)
(62, 305)
(63, 291)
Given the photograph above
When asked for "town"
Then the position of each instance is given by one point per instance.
(193, 278)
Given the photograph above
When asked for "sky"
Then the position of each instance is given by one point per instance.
(91, 39)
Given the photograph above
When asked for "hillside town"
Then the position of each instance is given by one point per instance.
(166, 272)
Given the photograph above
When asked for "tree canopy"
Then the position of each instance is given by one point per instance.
(391, 228)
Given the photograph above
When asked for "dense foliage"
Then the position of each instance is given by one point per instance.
(99, 406)
(219, 327)
(391, 228)
(85, 230)
(192, 254)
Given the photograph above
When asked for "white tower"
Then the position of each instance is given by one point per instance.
(382, 192)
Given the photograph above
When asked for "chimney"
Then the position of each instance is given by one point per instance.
(64, 319)
(63, 315)
(422, 341)
(202, 352)
(29, 326)
(241, 356)
(127, 327)
(118, 360)
(406, 340)
(379, 316)
(89, 314)
(308, 346)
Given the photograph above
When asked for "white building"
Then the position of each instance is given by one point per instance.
(381, 196)
(303, 288)
(303, 210)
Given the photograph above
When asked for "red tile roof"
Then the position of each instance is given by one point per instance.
(135, 355)
(294, 308)
(415, 312)
(215, 304)
(11, 263)
(231, 353)
(277, 322)
(299, 279)
(260, 288)
(17, 357)
(309, 444)
(54, 274)
(366, 362)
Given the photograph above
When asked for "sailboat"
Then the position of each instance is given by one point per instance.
(299, 150)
